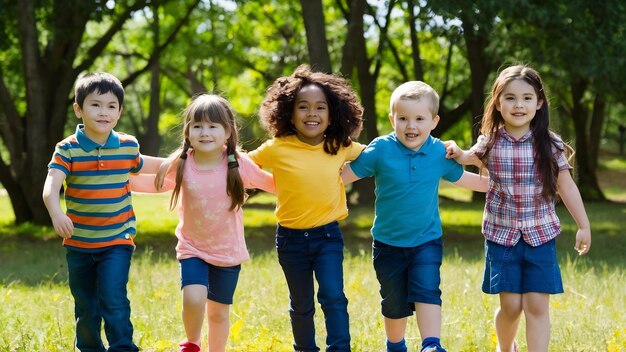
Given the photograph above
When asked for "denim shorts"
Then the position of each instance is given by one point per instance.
(522, 268)
(220, 281)
(407, 275)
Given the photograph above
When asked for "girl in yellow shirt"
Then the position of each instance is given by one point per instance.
(313, 118)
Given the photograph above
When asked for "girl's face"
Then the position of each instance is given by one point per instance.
(207, 137)
(518, 104)
(310, 114)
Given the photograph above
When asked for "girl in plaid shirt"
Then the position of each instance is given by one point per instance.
(527, 166)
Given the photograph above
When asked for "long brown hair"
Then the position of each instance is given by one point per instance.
(215, 109)
(543, 140)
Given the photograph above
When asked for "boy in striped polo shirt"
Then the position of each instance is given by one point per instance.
(99, 225)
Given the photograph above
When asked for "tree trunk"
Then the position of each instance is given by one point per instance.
(586, 174)
(151, 141)
(480, 67)
(315, 26)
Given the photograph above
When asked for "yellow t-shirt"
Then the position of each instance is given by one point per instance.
(309, 189)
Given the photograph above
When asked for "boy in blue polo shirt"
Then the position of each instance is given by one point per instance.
(99, 225)
(407, 250)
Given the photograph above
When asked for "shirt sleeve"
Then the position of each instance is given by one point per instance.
(253, 176)
(138, 158)
(558, 150)
(262, 155)
(61, 159)
(480, 146)
(355, 150)
(365, 164)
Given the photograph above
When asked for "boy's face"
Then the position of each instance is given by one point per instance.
(412, 120)
(100, 113)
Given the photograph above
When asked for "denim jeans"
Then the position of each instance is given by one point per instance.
(98, 284)
(301, 254)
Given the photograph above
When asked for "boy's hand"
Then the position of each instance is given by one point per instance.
(452, 150)
(583, 241)
(63, 225)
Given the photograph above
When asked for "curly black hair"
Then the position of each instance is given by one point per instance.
(345, 110)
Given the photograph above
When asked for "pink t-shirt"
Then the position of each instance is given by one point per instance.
(207, 229)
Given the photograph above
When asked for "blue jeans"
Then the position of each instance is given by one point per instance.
(301, 254)
(98, 284)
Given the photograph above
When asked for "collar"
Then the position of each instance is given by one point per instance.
(424, 149)
(88, 145)
(512, 139)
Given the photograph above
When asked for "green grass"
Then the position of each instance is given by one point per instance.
(37, 308)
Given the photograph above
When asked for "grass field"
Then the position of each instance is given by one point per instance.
(37, 308)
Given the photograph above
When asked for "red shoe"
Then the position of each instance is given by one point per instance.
(189, 347)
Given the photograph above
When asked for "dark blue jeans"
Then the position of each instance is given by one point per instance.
(98, 284)
(301, 254)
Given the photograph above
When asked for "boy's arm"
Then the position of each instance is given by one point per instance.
(573, 201)
(63, 225)
(144, 183)
(461, 156)
(347, 175)
(150, 164)
(473, 181)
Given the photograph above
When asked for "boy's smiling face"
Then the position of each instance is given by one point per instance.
(100, 113)
(413, 121)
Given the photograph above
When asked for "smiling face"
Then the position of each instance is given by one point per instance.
(207, 138)
(310, 114)
(518, 104)
(100, 113)
(413, 121)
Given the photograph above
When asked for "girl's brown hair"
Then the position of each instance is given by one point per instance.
(207, 108)
(543, 139)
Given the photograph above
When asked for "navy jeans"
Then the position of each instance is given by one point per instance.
(98, 284)
(301, 254)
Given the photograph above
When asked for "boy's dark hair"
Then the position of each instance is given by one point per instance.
(99, 82)
(345, 110)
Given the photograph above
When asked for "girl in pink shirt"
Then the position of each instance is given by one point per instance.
(208, 177)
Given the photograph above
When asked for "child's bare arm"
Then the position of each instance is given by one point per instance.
(461, 156)
(63, 225)
(151, 164)
(347, 175)
(144, 183)
(573, 201)
(473, 181)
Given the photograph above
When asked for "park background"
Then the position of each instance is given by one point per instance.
(164, 51)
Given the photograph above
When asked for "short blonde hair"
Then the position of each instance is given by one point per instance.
(415, 90)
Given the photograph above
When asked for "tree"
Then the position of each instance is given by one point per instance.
(45, 48)
(578, 46)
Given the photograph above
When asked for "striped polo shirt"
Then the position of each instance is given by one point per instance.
(97, 189)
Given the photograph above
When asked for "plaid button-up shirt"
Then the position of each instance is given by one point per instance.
(514, 207)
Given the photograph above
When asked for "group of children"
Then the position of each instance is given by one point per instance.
(314, 120)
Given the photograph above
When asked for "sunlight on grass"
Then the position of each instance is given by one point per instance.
(589, 316)
(582, 318)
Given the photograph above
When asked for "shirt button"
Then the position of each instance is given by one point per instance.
(413, 168)
(306, 234)
(101, 164)
(127, 236)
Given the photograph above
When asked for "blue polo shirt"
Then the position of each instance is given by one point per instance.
(407, 188)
